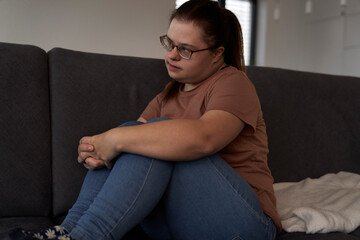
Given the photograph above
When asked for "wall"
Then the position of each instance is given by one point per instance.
(126, 27)
(326, 39)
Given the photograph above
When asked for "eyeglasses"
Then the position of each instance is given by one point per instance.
(183, 51)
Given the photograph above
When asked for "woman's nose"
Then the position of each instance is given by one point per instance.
(174, 54)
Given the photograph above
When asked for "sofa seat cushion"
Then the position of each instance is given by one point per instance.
(319, 236)
(28, 223)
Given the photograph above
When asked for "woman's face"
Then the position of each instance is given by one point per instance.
(201, 65)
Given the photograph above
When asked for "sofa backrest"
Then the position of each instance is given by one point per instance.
(25, 171)
(91, 93)
(313, 122)
(312, 119)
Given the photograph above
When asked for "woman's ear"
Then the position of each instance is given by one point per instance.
(218, 53)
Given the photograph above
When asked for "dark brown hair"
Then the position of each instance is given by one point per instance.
(220, 28)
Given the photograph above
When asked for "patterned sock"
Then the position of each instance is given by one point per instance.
(55, 233)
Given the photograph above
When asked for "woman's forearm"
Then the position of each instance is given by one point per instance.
(172, 140)
(182, 139)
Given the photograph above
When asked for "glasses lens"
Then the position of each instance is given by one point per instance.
(169, 46)
(166, 43)
(184, 52)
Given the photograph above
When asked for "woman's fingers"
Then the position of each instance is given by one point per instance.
(85, 147)
(90, 157)
(92, 163)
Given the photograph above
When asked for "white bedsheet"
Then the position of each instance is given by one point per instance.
(327, 204)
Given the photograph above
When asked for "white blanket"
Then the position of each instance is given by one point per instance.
(327, 204)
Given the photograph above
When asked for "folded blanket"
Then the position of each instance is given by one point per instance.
(327, 204)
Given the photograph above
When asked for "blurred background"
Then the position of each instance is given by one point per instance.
(310, 35)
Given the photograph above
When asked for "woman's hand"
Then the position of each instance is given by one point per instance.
(98, 151)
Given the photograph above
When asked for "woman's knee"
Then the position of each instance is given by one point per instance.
(130, 123)
(158, 119)
(135, 123)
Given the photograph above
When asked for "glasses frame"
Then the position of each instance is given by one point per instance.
(162, 38)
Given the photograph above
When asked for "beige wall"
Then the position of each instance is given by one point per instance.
(122, 27)
(325, 40)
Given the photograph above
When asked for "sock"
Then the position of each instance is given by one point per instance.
(56, 233)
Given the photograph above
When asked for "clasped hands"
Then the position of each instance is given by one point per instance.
(98, 151)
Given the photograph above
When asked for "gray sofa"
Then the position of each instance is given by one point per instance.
(49, 100)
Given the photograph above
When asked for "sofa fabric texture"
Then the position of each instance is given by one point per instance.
(49, 100)
(312, 122)
(85, 102)
(25, 177)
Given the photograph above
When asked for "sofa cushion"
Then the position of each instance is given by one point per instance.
(28, 223)
(320, 236)
(312, 122)
(91, 93)
(25, 172)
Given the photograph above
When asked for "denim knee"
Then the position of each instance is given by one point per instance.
(158, 119)
(130, 123)
(135, 123)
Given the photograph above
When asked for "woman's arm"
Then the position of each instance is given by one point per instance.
(172, 140)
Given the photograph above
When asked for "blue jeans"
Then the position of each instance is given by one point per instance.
(200, 199)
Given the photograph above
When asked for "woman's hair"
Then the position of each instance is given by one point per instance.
(220, 28)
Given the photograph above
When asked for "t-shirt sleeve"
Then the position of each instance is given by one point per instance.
(235, 93)
(153, 109)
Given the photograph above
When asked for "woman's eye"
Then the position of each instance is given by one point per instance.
(185, 50)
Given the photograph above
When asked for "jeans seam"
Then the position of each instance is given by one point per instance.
(136, 198)
(68, 227)
(237, 238)
(77, 234)
(241, 198)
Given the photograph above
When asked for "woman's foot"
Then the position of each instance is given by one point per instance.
(56, 233)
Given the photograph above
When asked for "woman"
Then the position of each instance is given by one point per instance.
(201, 175)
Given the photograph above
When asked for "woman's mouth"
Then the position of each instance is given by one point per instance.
(172, 67)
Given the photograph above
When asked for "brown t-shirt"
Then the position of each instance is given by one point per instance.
(229, 90)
